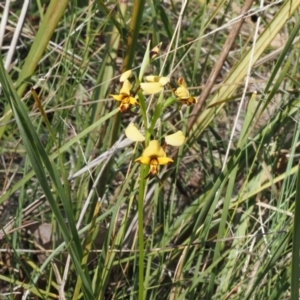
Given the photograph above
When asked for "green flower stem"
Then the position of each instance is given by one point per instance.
(157, 112)
(143, 173)
(143, 112)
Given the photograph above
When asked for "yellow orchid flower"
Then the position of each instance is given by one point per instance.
(183, 94)
(154, 155)
(154, 85)
(125, 96)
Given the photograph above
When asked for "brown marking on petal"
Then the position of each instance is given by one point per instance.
(192, 100)
(123, 107)
(126, 100)
(180, 81)
(188, 101)
(155, 51)
(125, 103)
(153, 166)
(183, 101)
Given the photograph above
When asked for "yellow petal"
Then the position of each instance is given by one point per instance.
(164, 80)
(176, 139)
(133, 101)
(143, 160)
(126, 87)
(125, 76)
(117, 97)
(133, 133)
(182, 93)
(164, 160)
(154, 150)
(160, 79)
(152, 78)
(192, 100)
(150, 88)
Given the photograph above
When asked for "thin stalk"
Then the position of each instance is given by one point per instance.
(296, 245)
(143, 174)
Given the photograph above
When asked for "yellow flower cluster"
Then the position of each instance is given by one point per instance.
(154, 153)
(153, 85)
